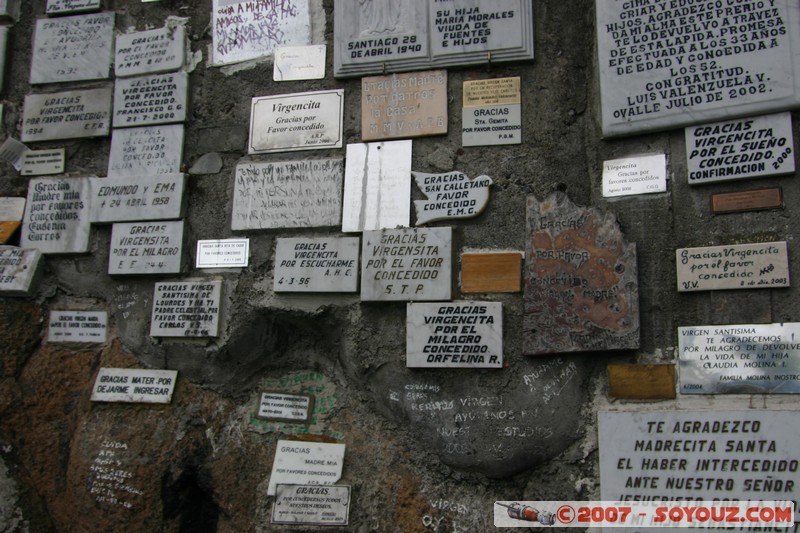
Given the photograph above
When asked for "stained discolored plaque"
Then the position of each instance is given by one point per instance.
(752, 200)
(581, 282)
(641, 382)
(491, 272)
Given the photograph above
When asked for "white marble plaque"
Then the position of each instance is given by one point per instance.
(11, 151)
(285, 407)
(311, 505)
(406, 264)
(67, 115)
(224, 253)
(300, 121)
(77, 326)
(450, 195)
(146, 248)
(244, 30)
(740, 359)
(11, 209)
(306, 463)
(288, 194)
(19, 270)
(139, 198)
(635, 175)
(146, 151)
(186, 308)
(377, 186)
(151, 51)
(72, 48)
(156, 99)
(43, 162)
(746, 148)
(491, 125)
(731, 59)
(134, 385)
(299, 63)
(57, 216)
(316, 265)
(699, 455)
(454, 335)
(736, 266)
(61, 7)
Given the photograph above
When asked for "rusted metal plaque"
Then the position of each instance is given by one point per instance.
(581, 281)
(752, 200)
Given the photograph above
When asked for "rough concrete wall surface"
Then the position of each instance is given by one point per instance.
(426, 449)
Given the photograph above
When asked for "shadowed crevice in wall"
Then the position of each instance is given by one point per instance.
(188, 498)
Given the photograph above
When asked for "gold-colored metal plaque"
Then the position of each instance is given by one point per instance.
(495, 91)
(641, 382)
(752, 200)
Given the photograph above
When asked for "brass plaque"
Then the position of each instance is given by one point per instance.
(496, 91)
(491, 272)
(641, 382)
(752, 200)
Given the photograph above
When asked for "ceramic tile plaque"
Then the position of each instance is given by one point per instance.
(299, 63)
(42, 162)
(77, 326)
(454, 335)
(300, 121)
(451, 195)
(737, 149)
(635, 175)
(224, 253)
(691, 455)
(411, 264)
(491, 125)
(740, 359)
(311, 505)
(244, 30)
(19, 270)
(749, 200)
(282, 407)
(406, 105)
(307, 463)
(67, 115)
(288, 194)
(57, 216)
(377, 186)
(146, 151)
(134, 385)
(186, 308)
(61, 7)
(581, 281)
(156, 99)
(151, 51)
(85, 55)
(729, 61)
(374, 36)
(139, 198)
(316, 264)
(736, 266)
(146, 248)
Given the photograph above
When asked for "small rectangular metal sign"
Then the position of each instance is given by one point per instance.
(134, 385)
(311, 504)
(77, 326)
(225, 253)
(43, 162)
(285, 407)
(752, 200)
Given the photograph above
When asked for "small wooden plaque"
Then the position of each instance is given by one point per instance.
(641, 382)
(491, 272)
(752, 200)
(7, 229)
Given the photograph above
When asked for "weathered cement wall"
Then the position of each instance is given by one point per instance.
(427, 450)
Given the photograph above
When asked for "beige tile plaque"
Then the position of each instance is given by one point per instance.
(496, 91)
(736, 266)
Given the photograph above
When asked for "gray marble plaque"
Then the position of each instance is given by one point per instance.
(730, 60)
(698, 455)
(454, 335)
(316, 265)
(311, 463)
(67, 115)
(740, 359)
(72, 48)
(311, 505)
(225, 253)
(406, 264)
(43, 162)
(139, 198)
(77, 326)
(746, 148)
(146, 151)
(146, 248)
(57, 216)
(156, 99)
(19, 270)
(289, 194)
(491, 125)
(11, 209)
(61, 7)
(450, 195)
(151, 51)
(186, 308)
(244, 30)
(134, 385)
(736, 266)
(377, 186)
(300, 121)
(299, 63)
(635, 175)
